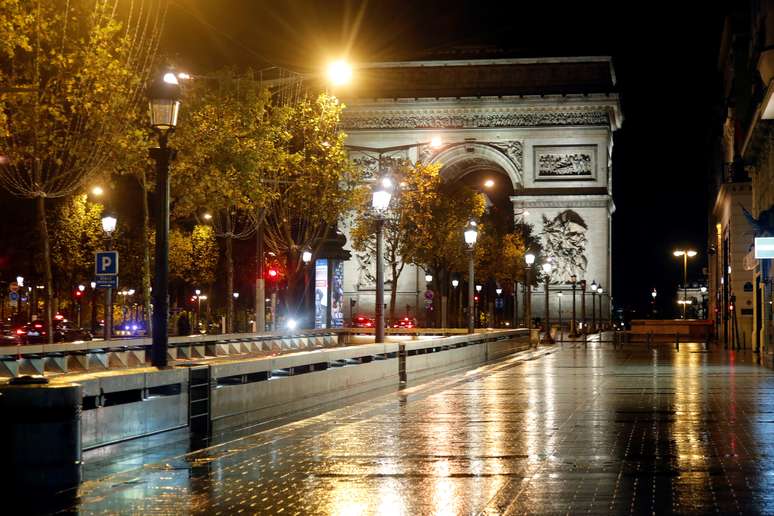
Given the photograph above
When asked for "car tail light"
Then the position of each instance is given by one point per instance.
(38, 325)
(20, 332)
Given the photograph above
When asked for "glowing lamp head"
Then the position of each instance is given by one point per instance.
(97, 191)
(455, 283)
(93, 284)
(198, 292)
(691, 254)
(479, 288)
(109, 224)
(292, 324)
(428, 278)
(547, 268)
(236, 295)
(306, 256)
(81, 288)
(678, 253)
(498, 291)
(436, 142)
(471, 233)
(339, 72)
(164, 102)
(207, 216)
(594, 286)
(489, 183)
(703, 289)
(382, 194)
(599, 290)
(530, 259)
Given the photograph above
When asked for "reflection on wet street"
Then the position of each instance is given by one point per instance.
(565, 431)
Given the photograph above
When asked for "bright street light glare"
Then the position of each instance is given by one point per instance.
(97, 190)
(691, 254)
(292, 324)
(183, 75)
(436, 142)
(386, 182)
(529, 258)
(678, 253)
(207, 216)
(170, 78)
(489, 183)
(339, 72)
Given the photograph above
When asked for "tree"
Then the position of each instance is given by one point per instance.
(77, 224)
(75, 70)
(226, 144)
(314, 186)
(398, 230)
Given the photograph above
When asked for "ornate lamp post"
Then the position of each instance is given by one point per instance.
(573, 324)
(529, 258)
(471, 235)
(108, 227)
(593, 306)
(380, 201)
(456, 283)
(600, 291)
(164, 100)
(547, 336)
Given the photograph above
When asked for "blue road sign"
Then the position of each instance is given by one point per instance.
(106, 281)
(106, 263)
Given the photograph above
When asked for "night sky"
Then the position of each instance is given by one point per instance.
(665, 57)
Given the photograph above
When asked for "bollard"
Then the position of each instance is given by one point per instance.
(41, 435)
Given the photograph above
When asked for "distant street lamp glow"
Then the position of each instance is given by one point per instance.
(428, 278)
(471, 234)
(306, 256)
(339, 72)
(170, 78)
(529, 258)
(207, 216)
(498, 291)
(97, 191)
(81, 288)
(489, 183)
(436, 142)
(455, 283)
(547, 268)
(292, 324)
(236, 295)
(479, 288)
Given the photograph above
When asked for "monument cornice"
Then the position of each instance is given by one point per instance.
(443, 115)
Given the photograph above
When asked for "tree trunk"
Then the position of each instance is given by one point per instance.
(229, 283)
(260, 289)
(393, 290)
(47, 275)
(146, 276)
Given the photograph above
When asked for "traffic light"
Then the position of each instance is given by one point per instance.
(272, 273)
(78, 294)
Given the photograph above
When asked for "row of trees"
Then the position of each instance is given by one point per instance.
(256, 161)
(424, 227)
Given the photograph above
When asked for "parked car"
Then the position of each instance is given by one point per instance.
(64, 331)
(405, 322)
(13, 334)
(130, 329)
(362, 321)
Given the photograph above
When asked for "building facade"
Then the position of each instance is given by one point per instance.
(740, 284)
(542, 127)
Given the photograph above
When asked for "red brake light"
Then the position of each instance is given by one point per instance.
(38, 325)
(20, 332)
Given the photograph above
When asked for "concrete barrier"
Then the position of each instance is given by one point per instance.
(121, 403)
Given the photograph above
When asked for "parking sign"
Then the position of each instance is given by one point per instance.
(106, 263)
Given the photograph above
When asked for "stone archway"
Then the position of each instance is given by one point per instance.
(461, 159)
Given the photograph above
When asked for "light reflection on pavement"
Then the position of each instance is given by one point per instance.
(562, 430)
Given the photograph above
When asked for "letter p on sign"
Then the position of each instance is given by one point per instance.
(106, 263)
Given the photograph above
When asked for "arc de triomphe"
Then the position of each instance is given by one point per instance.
(545, 126)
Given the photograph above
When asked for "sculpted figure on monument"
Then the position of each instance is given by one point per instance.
(564, 239)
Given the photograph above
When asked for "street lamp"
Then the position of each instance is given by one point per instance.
(471, 235)
(479, 288)
(498, 291)
(685, 254)
(547, 272)
(593, 306)
(382, 194)
(428, 278)
(306, 257)
(339, 72)
(529, 258)
(600, 291)
(164, 107)
(109, 223)
(573, 324)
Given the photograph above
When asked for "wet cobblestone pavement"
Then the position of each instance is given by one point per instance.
(563, 430)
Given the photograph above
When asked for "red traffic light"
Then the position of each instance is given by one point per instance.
(272, 273)
(78, 293)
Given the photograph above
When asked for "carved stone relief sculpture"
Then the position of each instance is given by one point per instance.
(565, 162)
(564, 240)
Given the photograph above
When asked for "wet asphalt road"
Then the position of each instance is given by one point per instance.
(563, 430)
